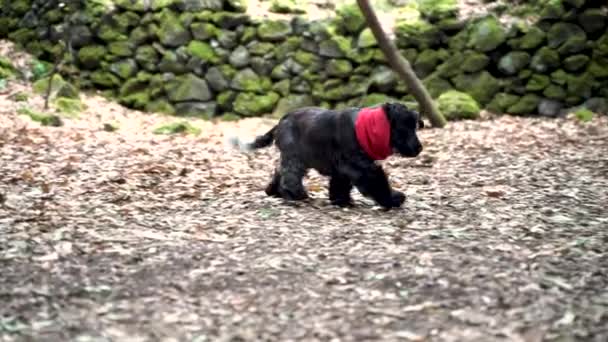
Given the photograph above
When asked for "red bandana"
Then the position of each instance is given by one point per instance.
(374, 133)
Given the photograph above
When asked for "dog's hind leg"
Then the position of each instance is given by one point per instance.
(339, 190)
(290, 180)
(273, 187)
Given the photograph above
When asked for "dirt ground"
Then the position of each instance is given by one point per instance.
(131, 236)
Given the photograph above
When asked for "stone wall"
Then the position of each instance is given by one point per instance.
(208, 58)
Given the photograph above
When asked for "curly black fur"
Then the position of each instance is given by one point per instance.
(325, 140)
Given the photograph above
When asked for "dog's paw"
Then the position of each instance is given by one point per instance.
(397, 197)
(343, 202)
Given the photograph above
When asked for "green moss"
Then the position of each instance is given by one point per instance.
(487, 34)
(225, 99)
(576, 62)
(350, 18)
(134, 93)
(124, 68)
(456, 105)
(474, 61)
(436, 85)
(147, 57)
(305, 58)
(580, 84)
(204, 31)
(171, 31)
(251, 104)
(559, 77)
(274, 30)
(416, 33)
(44, 119)
(7, 70)
(20, 97)
(22, 36)
(291, 102)
(452, 66)
(69, 106)
(366, 39)
(482, 86)
(91, 56)
(285, 6)
(426, 62)
(203, 51)
(188, 87)
(105, 79)
(108, 33)
(513, 62)
(160, 106)
(553, 91)
(527, 104)
(261, 48)
(247, 80)
(181, 127)
(599, 67)
(339, 67)
(437, 10)
(533, 38)
(545, 59)
(601, 45)
(584, 115)
(121, 49)
(501, 102)
(282, 87)
(59, 87)
(459, 41)
(538, 82)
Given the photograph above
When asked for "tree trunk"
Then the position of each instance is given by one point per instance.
(402, 66)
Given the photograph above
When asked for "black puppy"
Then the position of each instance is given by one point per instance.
(341, 144)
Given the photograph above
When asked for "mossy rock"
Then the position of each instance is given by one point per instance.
(274, 30)
(575, 3)
(291, 102)
(202, 51)
(383, 78)
(335, 47)
(134, 93)
(109, 33)
(7, 70)
(532, 39)
(230, 20)
(455, 105)
(538, 82)
(366, 39)
(44, 119)
(59, 87)
(91, 56)
(474, 61)
(251, 104)
(584, 114)
(142, 5)
(188, 87)
(204, 31)
(417, 33)
(285, 6)
(258, 48)
(555, 92)
(181, 127)
(105, 79)
(121, 48)
(452, 66)
(171, 32)
(487, 34)
(601, 45)
(436, 10)
(282, 87)
(161, 105)
(552, 9)
(339, 68)
(374, 99)
(350, 19)
(580, 85)
(576, 62)
(172, 63)
(426, 62)
(204, 110)
(247, 80)
(544, 60)
(436, 85)
(559, 77)
(22, 36)
(69, 106)
(527, 104)
(598, 67)
(147, 57)
(592, 20)
(459, 41)
(306, 59)
(226, 99)
(199, 5)
(237, 5)
(567, 38)
(501, 102)
(143, 34)
(124, 69)
(482, 85)
(513, 62)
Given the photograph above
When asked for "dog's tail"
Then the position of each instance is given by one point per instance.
(261, 141)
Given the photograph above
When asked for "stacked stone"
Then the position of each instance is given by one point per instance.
(208, 58)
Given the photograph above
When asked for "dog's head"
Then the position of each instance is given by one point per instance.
(404, 123)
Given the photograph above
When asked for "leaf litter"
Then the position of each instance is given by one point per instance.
(128, 235)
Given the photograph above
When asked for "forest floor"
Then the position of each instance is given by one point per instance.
(133, 236)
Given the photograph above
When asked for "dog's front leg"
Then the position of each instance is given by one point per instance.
(339, 190)
(371, 180)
